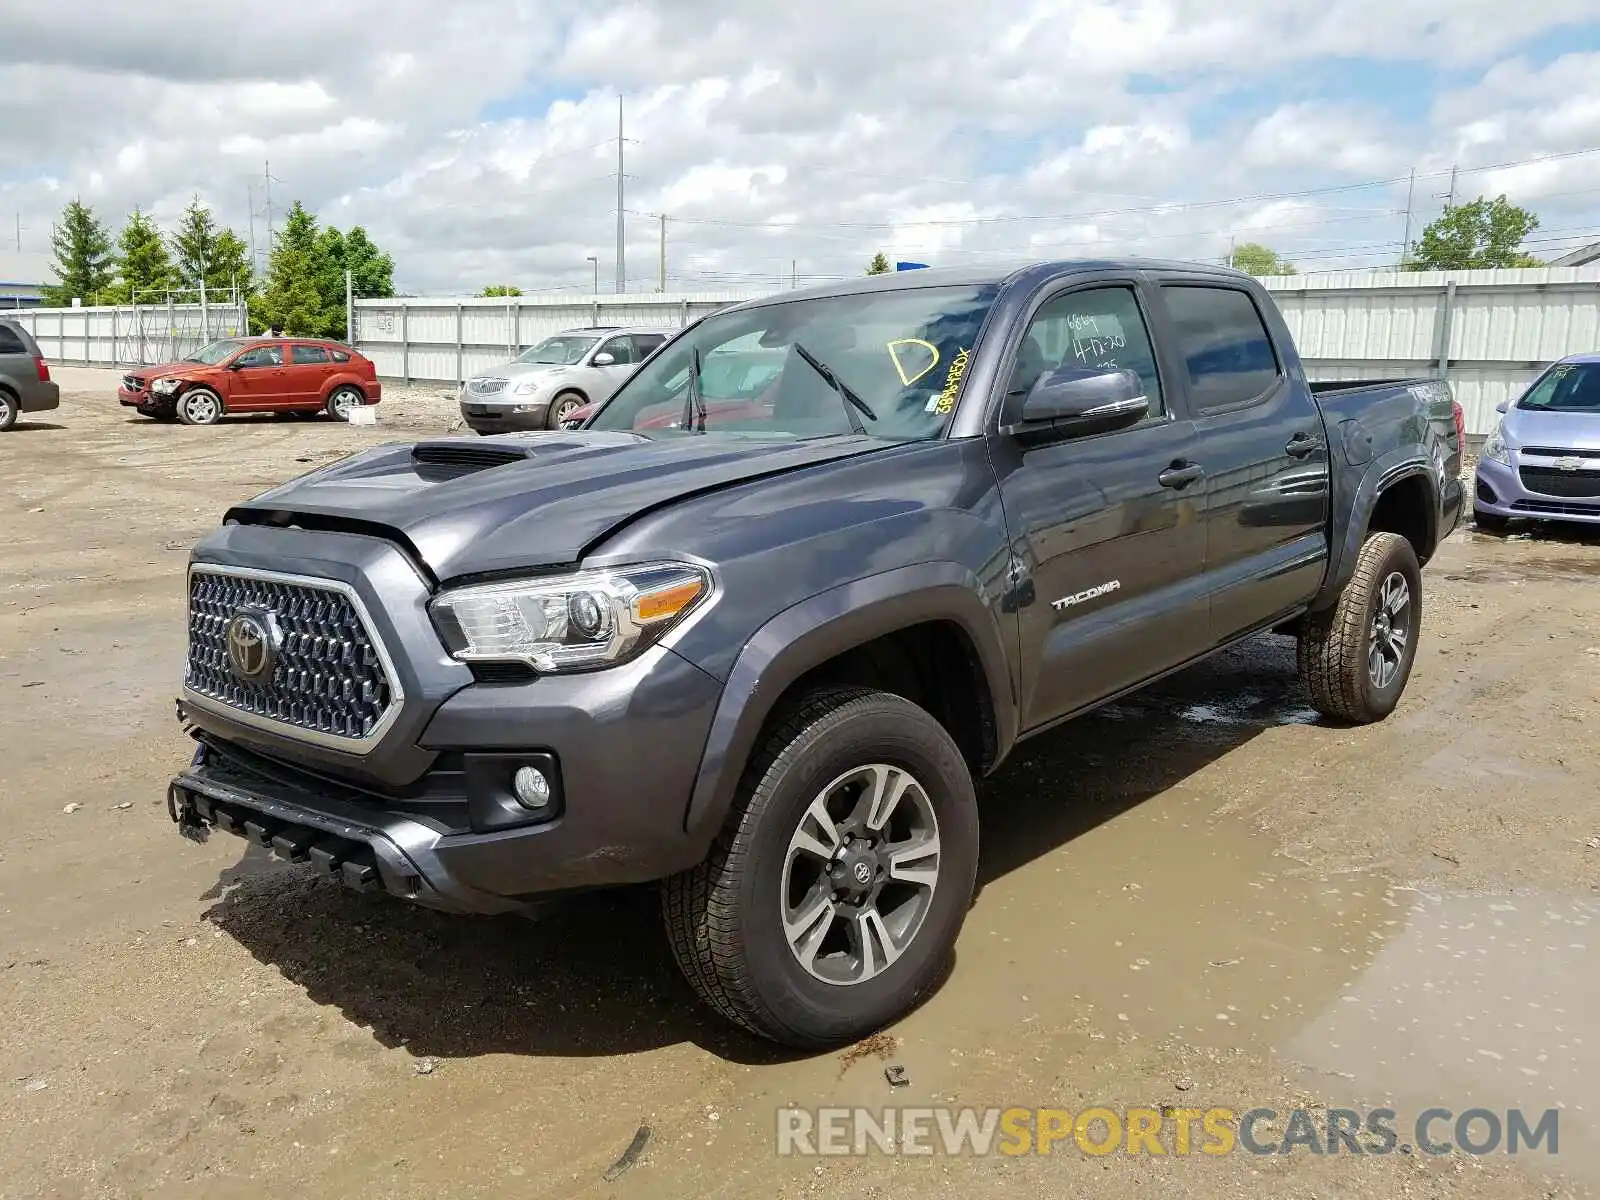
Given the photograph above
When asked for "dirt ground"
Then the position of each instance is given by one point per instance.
(1198, 897)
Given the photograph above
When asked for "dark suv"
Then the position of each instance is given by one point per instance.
(25, 383)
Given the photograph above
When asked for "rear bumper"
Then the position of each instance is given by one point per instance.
(40, 397)
(1498, 490)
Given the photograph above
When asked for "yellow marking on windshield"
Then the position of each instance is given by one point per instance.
(900, 367)
(952, 384)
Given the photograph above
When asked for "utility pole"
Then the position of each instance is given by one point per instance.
(663, 286)
(622, 270)
(1230, 250)
(1450, 196)
(19, 237)
(1405, 239)
(250, 193)
(350, 307)
(594, 261)
(267, 165)
(794, 273)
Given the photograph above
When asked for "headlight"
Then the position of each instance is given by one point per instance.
(165, 387)
(569, 622)
(1495, 448)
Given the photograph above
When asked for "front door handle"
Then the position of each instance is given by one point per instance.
(1301, 445)
(1180, 474)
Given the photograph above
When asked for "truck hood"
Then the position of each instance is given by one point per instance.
(1555, 430)
(473, 506)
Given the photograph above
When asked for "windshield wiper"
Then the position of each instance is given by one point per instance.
(852, 402)
(693, 402)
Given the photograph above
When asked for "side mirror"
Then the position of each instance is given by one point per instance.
(1075, 402)
(603, 359)
(1503, 407)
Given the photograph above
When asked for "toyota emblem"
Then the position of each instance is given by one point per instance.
(253, 646)
(862, 872)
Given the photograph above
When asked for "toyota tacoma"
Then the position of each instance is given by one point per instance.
(762, 654)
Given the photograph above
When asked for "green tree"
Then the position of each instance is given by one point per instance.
(501, 289)
(230, 264)
(879, 264)
(144, 270)
(289, 300)
(1255, 259)
(1482, 233)
(371, 270)
(83, 260)
(202, 249)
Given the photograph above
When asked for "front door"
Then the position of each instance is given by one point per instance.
(608, 378)
(1267, 481)
(306, 373)
(1108, 526)
(256, 378)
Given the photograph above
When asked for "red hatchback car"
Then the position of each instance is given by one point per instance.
(240, 375)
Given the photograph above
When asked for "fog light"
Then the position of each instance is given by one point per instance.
(531, 787)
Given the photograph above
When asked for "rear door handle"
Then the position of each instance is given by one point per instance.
(1301, 445)
(1180, 474)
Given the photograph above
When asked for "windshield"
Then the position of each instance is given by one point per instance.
(558, 351)
(764, 371)
(214, 353)
(1566, 387)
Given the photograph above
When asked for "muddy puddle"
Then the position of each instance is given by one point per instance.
(1529, 569)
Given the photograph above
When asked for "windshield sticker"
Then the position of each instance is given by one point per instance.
(913, 358)
(946, 400)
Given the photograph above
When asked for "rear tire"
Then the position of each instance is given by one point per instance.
(1356, 657)
(563, 404)
(737, 922)
(1490, 522)
(10, 410)
(199, 406)
(341, 400)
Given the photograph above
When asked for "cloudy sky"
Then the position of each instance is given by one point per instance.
(476, 139)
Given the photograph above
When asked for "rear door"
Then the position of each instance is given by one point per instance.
(307, 371)
(1108, 525)
(256, 378)
(1266, 454)
(16, 361)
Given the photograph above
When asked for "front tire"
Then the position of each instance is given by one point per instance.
(200, 406)
(831, 900)
(1490, 522)
(1356, 657)
(562, 407)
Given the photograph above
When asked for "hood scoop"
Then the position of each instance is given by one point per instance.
(438, 461)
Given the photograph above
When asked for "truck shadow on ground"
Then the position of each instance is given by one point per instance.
(593, 974)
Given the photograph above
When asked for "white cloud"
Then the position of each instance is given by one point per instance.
(474, 139)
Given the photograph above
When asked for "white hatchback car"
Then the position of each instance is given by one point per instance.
(560, 375)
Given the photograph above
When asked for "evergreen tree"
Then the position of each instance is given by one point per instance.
(144, 270)
(83, 260)
(879, 264)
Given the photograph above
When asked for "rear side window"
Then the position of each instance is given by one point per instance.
(340, 355)
(11, 341)
(306, 355)
(1224, 344)
(647, 344)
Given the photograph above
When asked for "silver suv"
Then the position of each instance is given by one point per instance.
(545, 383)
(25, 385)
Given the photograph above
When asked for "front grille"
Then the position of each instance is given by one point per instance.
(486, 387)
(1558, 452)
(133, 383)
(1557, 510)
(1548, 481)
(328, 679)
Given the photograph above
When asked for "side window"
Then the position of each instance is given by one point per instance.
(261, 356)
(306, 355)
(340, 356)
(646, 344)
(1100, 327)
(10, 343)
(1224, 344)
(621, 349)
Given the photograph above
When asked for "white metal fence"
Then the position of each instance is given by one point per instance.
(129, 335)
(446, 341)
(1487, 332)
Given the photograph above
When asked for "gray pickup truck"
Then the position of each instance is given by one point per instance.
(758, 646)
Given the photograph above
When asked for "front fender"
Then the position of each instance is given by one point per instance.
(815, 630)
